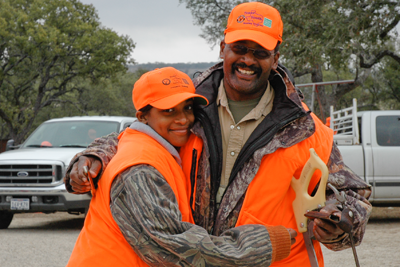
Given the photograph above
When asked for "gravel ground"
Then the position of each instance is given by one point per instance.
(380, 246)
(46, 240)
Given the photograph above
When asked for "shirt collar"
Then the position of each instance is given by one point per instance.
(263, 107)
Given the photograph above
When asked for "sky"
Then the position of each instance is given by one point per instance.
(162, 30)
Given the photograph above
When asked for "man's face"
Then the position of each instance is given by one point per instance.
(245, 76)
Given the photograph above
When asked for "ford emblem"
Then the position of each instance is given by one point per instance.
(22, 174)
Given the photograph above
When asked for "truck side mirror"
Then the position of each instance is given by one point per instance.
(10, 145)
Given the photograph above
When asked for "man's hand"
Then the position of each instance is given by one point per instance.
(78, 180)
(324, 230)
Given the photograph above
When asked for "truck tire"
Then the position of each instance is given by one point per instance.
(5, 219)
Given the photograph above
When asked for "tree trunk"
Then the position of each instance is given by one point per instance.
(323, 100)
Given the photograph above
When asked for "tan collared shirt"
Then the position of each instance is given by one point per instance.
(235, 135)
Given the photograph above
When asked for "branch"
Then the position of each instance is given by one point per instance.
(390, 27)
(6, 119)
(393, 92)
(300, 73)
(13, 65)
(222, 9)
(377, 58)
(343, 89)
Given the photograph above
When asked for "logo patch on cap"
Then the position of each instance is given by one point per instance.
(267, 23)
(241, 18)
(166, 81)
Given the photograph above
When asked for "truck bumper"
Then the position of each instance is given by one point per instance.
(44, 199)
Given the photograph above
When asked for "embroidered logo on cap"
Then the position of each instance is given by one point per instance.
(267, 23)
(176, 81)
(254, 19)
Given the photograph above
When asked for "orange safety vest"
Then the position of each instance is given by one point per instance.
(101, 242)
(269, 197)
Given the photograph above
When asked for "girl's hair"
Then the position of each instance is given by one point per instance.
(146, 109)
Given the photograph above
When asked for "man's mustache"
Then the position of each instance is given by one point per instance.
(244, 66)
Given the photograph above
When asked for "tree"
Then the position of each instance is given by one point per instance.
(383, 86)
(108, 97)
(320, 35)
(47, 49)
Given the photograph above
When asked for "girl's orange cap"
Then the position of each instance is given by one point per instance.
(164, 88)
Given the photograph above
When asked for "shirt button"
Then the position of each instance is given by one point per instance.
(238, 127)
(232, 153)
(232, 126)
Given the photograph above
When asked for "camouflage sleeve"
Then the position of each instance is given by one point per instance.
(147, 213)
(357, 194)
(104, 149)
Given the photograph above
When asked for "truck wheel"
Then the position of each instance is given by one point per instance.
(5, 219)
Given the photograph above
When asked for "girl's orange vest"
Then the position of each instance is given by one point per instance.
(269, 197)
(101, 242)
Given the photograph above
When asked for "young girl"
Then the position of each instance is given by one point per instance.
(141, 212)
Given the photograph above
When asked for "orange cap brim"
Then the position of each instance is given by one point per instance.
(174, 100)
(265, 40)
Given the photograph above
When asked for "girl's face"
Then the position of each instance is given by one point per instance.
(172, 124)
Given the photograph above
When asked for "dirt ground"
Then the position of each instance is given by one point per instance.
(381, 244)
(46, 240)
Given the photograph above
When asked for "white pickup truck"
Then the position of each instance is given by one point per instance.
(370, 145)
(31, 176)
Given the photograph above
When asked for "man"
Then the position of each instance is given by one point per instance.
(257, 135)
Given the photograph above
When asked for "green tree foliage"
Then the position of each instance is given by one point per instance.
(320, 35)
(108, 97)
(382, 89)
(48, 51)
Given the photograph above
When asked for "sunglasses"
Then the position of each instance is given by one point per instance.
(243, 50)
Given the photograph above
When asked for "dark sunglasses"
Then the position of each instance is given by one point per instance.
(243, 50)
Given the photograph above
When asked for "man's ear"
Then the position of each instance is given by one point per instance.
(221, 49)
(276, 60)
(141, 117)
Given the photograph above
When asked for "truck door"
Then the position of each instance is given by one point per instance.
(385, 138)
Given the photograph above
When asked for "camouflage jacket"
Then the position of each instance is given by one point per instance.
(286, 125)
(160, 237)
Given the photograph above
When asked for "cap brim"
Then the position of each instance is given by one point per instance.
(174, 100)
(263, 39)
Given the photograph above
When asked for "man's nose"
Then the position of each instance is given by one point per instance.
(248, 58)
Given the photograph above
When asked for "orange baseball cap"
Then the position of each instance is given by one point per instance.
(256, 22)
(164, 88)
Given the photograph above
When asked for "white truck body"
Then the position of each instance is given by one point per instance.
(371, 148)
(31, 176)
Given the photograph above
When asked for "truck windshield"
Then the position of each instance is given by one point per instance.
(69, 133)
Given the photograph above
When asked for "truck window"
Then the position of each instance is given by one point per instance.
(127, 124)
(388, 130)
(69, 133)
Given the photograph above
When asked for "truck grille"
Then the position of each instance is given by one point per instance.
(30, 174)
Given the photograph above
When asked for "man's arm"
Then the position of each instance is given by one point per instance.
(357, 194)
(145, 209)
(96, 157)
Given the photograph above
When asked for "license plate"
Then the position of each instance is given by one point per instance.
(20, 204)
